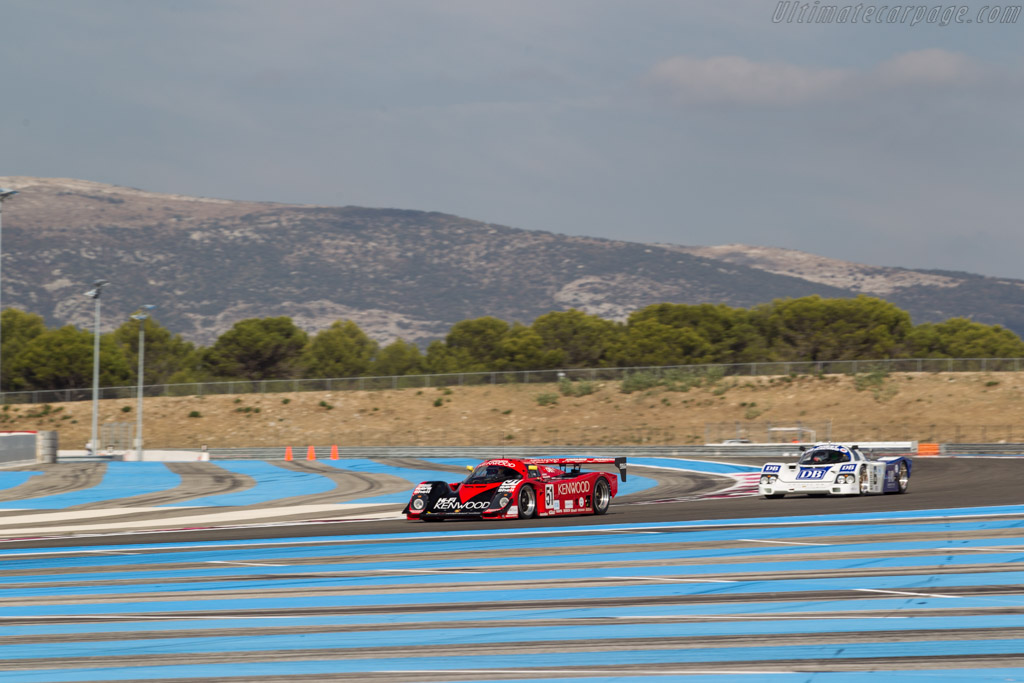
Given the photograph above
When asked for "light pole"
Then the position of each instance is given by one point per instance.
(141, 316)
(4, 194)
(94, 294)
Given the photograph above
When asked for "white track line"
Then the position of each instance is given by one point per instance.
(998, 548)
(666, 578)
(915, 595)
(427, 571)
(204, 519)
(530, 672)
(713, 525)
(755, 540)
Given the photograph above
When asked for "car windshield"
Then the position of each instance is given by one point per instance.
(491, 474)
(823, 457)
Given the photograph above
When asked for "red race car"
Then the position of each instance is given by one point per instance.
(506, 488)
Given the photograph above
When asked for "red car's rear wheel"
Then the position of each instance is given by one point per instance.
(602, 496)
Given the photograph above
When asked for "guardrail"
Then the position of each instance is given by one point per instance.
(480, 453)
(981, 449)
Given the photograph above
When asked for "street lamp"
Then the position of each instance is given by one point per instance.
(94, 294)
(141, 316)
(4, 194)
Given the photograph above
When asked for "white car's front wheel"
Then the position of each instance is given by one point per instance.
(865, 485)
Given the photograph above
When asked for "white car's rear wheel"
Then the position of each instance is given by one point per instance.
(903, 477)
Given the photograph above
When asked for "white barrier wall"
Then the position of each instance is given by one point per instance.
(17, 446)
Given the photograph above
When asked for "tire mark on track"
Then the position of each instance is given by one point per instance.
(348, 485)
(55, 479)
(198, 479)
(523, 648)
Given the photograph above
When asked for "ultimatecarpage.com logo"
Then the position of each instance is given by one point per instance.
(793, 12)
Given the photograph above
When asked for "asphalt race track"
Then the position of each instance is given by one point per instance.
(689, 577)
(677, 496)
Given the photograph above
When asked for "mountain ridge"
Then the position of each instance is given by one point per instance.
(207, 263)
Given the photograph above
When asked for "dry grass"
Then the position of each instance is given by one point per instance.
(944, 407)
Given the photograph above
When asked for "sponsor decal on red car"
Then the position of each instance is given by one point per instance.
(573, 488)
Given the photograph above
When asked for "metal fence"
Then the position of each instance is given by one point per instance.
(680, 436)
(791, 368)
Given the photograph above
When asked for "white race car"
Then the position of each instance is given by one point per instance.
(832, 469)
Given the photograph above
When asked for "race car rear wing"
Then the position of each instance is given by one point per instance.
(619, 462)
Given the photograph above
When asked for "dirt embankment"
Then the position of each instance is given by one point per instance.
(944, 407)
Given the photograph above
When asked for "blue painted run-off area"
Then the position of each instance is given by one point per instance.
(121, 480)
(271, 482)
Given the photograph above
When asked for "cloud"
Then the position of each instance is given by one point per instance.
(738, 80)
(733, 79)
(934, 67)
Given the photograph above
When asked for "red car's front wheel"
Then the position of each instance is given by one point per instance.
(527, 502)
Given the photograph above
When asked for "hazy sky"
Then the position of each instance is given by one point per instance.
(696, 123)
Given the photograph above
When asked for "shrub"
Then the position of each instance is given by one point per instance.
(546, 399)
(681, 380)
(639, 381)
(581, 388)
(714, 374)
(195, 413)
(871, 380)
(671, 380)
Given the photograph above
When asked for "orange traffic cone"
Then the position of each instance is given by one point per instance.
(288, 453)
(311, 454)
(334, 452)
